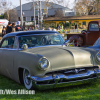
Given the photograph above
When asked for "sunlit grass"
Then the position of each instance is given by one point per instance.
(90, 91)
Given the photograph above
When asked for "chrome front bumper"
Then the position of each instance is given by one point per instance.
(61, 80)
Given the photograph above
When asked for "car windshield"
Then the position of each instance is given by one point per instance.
(41, 40)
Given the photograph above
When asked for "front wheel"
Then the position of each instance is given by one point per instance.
(27, 80)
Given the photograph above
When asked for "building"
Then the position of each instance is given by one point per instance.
(51, 8)
(82, 21)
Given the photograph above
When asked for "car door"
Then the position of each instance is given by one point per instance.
(93, 33)
(7, 57)
(0, 60)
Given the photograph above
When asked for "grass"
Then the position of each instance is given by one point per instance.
(90, 91)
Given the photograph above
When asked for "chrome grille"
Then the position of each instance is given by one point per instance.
(74, 71)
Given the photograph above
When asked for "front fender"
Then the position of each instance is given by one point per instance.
(27, 61)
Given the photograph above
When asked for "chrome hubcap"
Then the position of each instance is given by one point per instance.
(27, 79)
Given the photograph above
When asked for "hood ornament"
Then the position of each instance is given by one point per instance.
(24, 47)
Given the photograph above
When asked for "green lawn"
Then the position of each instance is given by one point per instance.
(90, 91)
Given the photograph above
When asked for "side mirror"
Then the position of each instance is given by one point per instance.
(24, 47)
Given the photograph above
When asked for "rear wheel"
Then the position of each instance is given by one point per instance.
(27, 80)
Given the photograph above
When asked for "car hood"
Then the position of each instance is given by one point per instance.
(64, 57)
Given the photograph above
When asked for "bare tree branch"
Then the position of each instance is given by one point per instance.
(6, 7)
(87, 7)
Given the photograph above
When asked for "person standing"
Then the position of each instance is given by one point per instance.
(48, 28)
(75, 26)
(13, 27)
(19, 27)
(9, 28)
(32, 28)
(62, 28)
(43, 28)
(59, 27)
(37, 26)
(3, 31)
(25, 29)
(65, 36)
(53, 29)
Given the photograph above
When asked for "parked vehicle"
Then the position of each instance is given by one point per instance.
(96, 45)
(40, 60)
(3, 22)
(88, 36)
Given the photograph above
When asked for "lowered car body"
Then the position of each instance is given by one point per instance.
(40, 60)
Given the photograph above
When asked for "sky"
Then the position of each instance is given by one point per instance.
(17, 2)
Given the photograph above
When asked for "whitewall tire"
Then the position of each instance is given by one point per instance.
(27, 81)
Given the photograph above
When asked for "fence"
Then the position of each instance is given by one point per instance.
(75, 30)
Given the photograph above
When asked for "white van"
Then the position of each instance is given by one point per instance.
(3, 22)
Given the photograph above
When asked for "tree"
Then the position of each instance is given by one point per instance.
(97, 7)
(12, 15)
(59, 13)
(87, 7)
(47, 4)
(1, 16)
(6, 7)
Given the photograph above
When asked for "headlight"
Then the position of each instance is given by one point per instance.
(43, 63)
(98, 56)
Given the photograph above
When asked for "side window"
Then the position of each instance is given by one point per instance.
(93, 27)
(84, 23)
(8, 43)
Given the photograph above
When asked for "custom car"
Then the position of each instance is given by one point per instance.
(41, 60)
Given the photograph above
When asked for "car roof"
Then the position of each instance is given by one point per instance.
(95, 21)
(19, 33)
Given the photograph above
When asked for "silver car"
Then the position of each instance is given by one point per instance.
(41, 60)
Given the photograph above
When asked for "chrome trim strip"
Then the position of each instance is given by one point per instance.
(77, 76)
(8, 49)
(90, 75)
(17, 42)
(74, 70)
(42, 46)
(39, 34)
(71, 83)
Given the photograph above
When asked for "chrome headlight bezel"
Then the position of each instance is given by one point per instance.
(98, 57)
(46, 63)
